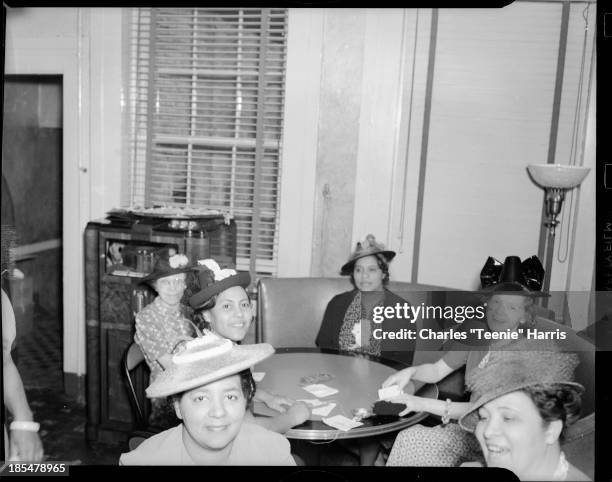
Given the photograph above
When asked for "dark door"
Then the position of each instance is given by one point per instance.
(32, 202)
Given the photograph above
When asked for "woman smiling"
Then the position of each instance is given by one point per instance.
(526, 400)
(224, 304)
(211, 387)
(510, 289)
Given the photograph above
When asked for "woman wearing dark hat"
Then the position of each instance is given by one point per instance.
(211, 386)
(526, 400)
(163, 323)
(225, 307)
(347, 323)
(510, 289)
(348, 320)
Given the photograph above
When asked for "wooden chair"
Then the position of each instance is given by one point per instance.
(132, 359)
(136, 375)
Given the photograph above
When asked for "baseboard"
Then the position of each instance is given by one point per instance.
(74, 386)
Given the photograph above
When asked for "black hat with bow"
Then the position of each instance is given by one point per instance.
(513, 277)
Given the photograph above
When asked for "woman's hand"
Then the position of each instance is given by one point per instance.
(280, 404)
(413, 404)
(298, 413)
(25, 446)
(401, 378)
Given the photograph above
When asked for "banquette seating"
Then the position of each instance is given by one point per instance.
(290, 310)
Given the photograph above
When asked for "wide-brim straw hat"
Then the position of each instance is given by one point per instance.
(204, 360)
(167, 263)
(368, 247)
(214, 280)
(529, 363)
(512, 277)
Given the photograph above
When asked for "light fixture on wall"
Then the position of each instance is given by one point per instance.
(556, 179)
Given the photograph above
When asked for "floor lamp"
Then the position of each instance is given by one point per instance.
(556, 180)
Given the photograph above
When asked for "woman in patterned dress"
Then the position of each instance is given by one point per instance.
(163, 323)
(348, 320)
(348, 323)
(510, 289)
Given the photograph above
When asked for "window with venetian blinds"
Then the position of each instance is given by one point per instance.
(206, 104)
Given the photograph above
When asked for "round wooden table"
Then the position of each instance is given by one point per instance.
(357, 377)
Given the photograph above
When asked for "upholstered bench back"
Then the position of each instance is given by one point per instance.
(290, 310)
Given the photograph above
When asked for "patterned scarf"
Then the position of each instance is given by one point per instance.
(355, 313)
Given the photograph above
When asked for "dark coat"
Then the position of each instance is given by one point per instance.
(329, 332)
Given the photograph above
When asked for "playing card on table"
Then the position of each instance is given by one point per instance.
(315, 378)
(258, 376)
(324, 410)
(389, 392)
(312, 402)
(320, 390)
(341, 422)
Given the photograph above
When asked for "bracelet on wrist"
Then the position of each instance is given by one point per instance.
(22, 425)
(446, 416)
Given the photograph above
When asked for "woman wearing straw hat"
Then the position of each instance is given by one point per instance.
(163, 323)
(210, 383)
(224, 305)
(510, 289)
(526, 401)
(347, 323)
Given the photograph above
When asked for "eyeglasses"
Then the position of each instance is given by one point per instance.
(171, 282)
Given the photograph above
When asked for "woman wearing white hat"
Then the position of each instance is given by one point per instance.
(210, 383)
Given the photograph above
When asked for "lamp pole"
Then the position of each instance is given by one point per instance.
(554, 201)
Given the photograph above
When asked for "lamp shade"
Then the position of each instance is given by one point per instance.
(557, 175)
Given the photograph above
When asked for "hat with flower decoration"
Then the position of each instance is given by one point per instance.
(368, 247)
(168, 263)
(213, 280)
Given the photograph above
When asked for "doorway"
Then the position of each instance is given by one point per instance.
(32, 158)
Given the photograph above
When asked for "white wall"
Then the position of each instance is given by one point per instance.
(478, 198)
